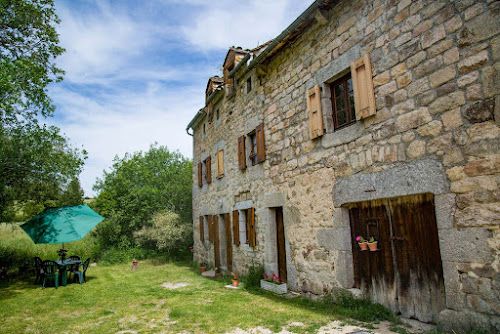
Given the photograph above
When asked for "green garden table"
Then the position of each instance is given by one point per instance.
(63, 265)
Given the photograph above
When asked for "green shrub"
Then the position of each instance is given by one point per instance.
(122, 255)
(252, 279)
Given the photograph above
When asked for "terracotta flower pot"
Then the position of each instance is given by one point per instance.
(203, 268)
(373, 246)
(217, 275)
(235, 282)
(363, 245)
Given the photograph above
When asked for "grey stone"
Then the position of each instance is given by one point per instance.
(480, 29)
(465, 245)
(243, 205)
(344, 270)
(335, 238)
(463, 321)
(274, 200)
(336, 67)
(343, 136)
(422, 176)
(445, 209)
(481, 111)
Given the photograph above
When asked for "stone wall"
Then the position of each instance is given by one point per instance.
(436, 78)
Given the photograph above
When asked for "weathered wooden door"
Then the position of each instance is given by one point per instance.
(229, 248)
(280, 238)
(215, 220)
(406, 273)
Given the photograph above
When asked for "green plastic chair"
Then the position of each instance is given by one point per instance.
(50, 271)
(81, 273)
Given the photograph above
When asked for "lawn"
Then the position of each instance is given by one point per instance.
(116, 299)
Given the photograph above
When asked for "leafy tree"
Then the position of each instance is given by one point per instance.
(73, 195)
(138, 186)
(35, 159)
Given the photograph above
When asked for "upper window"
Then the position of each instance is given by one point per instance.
(217, 114)
(343, 102)
(253, 147)
(249, 84)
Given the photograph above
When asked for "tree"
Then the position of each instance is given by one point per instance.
(35, 159)
(137, 187)
(73, 195)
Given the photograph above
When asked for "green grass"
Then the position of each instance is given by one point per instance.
(116, 298)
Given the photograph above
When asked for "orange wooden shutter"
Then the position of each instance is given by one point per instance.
(220, 163)
(236, 227)
(241, 153)
(208, 163)
(364, 98)
(313, 99)
(251, 227)
(261, 145)
(200, 174)
(202, 230)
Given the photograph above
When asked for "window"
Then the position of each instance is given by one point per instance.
(250, 227)
(202, 229)
(249, 84)
(257, 147)
(343, 102)
(208, 169)
(220, 163)
(200, 174)
(217, 114)
(236, 227)
(204, 129)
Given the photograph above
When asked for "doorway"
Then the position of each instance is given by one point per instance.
(405, 273)
(228, 245)
(280, 244)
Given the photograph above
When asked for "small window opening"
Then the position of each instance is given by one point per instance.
(217, 114)
(204, 128)
(344, 113)
(249, 84)
(253, 147)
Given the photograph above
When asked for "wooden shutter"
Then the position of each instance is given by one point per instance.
(200, 174)
(220, 163)
(364, 98)
(241, 153)
(313, 99)
(208, 164)
(210, 229)
(215, 221)
(261, 145)
(202, 230)
(236, 227)
(251, 227)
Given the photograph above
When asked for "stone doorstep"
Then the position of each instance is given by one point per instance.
(231, 287)
(209, 273)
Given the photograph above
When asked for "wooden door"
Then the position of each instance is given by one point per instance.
(215, 220)
(280, 237)
(229, 247)
(406, 273)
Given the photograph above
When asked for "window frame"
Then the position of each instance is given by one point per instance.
(346, 95)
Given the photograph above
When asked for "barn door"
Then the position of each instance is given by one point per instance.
(216, 240)
(406, 273)
(280, 237)
(229, 248)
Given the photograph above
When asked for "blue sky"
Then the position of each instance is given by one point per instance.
(136, 70)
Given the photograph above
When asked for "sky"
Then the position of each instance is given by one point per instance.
(136, 70)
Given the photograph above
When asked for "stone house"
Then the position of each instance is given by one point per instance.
(377, 118)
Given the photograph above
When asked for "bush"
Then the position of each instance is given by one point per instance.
(116, 255)
(252, 279)
(169, 234)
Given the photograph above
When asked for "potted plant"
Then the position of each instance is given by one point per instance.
(234, 279)
(218, 272)
(372, 244)
(273, 284)
(203, 266)
(363, 244)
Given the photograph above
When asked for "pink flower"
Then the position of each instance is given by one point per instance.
(266, 276)
(358, 238)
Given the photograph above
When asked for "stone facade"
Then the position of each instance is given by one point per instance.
(436, 79)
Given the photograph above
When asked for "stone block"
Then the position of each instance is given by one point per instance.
(439, 48)
(455, 173)
(440, 143)
(479, 29)
(491, 80)
(430, 129)
(452, 157)
(416, 149)
(413, 119)
(473, 11)
(473, 62)
(482, 166)
(432, 36)
(444, 103)
(445, 206)
(403, 108)
(404, 80)
(474, 92)
(416, 59)
(480, 111)
(335, 238)
(485, 130)
(422, 27)
(428, 67)
(453, 24)
(452, 119)
(386, 89)
(444, 75)
(418, 87)
(463, 321)
(381, 79)
(476, 217)
(344, 270)
(467, 79)
(465, 245)
(451, 56)
(343, 136)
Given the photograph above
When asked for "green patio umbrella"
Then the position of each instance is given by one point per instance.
(60, 225)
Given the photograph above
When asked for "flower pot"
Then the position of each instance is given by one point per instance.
(203, 268)
(235, 282)
(373, 246)
(363, 245)
(217, 275)
(276, 288)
